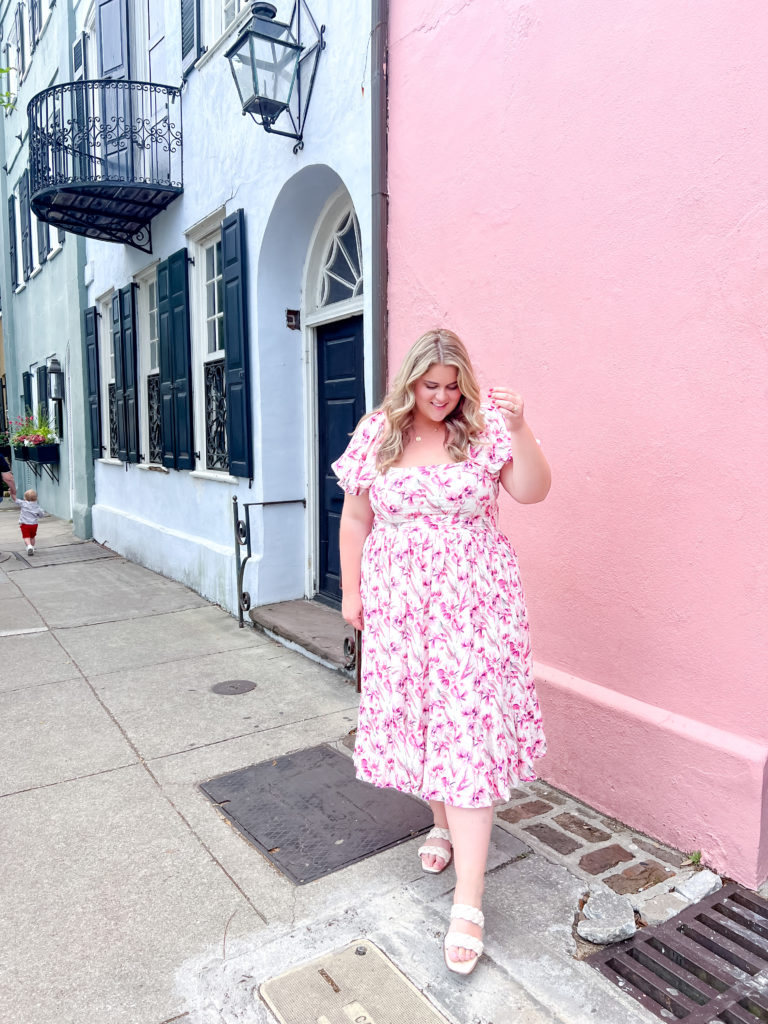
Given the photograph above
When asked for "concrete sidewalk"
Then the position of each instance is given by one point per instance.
(125, 895)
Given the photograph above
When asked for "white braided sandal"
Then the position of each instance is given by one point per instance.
(436, 851)
(461, 940)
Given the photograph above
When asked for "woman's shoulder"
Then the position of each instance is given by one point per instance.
(372, 424)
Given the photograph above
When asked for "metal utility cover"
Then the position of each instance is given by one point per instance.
(357, 984)
(310, 816)
(707, 965)
(63, 554)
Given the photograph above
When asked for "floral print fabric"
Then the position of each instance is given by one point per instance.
(448, 708)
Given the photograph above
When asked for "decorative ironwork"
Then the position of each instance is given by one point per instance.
(216, 456)
(113, 442)
(105, 157)
(155, 422)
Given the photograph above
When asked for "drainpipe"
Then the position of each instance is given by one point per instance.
(380, 198)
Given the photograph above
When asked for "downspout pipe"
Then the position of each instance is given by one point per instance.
(380, 196)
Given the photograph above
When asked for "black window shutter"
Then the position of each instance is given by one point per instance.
(175, 362)
(92, 364)
(26, 387)
(12, 241)
(42, 392)
(236, 370)
(61, 234)
(43, 241)
(130, 382)
(112, 39)
(165, 339)
(26, 226)
(117, 348)
(182, 362)
(190, 34)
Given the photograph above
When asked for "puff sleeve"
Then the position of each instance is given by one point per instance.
(356, 468)
(498, 443)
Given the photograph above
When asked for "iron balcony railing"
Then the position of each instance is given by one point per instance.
(105, 157)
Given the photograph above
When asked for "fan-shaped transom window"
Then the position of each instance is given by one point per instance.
(342, 275)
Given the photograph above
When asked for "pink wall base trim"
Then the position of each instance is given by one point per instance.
(678, 779)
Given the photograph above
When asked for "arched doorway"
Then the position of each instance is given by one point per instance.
(333, 316)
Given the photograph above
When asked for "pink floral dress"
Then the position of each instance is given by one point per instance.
(448, 708)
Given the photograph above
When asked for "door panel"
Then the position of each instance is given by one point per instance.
(341, 403)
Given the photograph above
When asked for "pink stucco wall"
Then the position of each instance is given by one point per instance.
(581, 191)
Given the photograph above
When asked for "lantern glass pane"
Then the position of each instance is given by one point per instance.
(274, 62)
(242, 71)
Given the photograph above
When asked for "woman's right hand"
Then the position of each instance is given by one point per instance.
(352, 609)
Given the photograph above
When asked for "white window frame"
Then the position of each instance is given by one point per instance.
(146, 281)
(106, 368)
(213, 23)
(199, 239)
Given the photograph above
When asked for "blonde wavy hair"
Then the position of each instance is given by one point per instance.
(464, 424)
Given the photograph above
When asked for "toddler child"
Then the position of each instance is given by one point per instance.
(28, 517)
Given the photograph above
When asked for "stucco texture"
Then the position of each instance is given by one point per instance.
(579, 191)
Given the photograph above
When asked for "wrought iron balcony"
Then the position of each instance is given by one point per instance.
(105, 157)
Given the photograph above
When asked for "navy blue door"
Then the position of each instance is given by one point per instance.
(341, 403)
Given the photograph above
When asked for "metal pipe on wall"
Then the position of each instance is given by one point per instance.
(380, 195)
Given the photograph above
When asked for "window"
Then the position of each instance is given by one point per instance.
(149, 368)
(24, 238)
(108, 396)
(117, 332)
(342, 274)
(217, 16)
(208, 337)
(219, 330)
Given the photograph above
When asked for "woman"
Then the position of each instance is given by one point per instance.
(448, 710)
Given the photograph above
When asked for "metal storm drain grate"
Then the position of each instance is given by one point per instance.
(309, 815)
(357, 983)
(707, 965)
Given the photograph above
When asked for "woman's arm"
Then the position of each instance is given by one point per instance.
(528, 476)
(356, 523)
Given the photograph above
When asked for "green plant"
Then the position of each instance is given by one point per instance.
(7, 99)
(31, 430)
(692, 860)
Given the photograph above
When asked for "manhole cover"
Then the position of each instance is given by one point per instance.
(357, 983)
(310, 816)
(707, 965)
(232, 687)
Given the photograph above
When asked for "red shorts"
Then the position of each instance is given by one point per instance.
(28, 530)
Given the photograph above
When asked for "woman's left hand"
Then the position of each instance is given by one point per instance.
(510, 404)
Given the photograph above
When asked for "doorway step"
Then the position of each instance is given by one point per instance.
(308, 627)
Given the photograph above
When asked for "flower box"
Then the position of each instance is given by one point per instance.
(45, 454)
(20, 453)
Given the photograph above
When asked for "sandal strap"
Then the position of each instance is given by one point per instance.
(435, 851)
(460, 940)
(467, 913)
(439, 833)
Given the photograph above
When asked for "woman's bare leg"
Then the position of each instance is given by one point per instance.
(471, 836)
(438, 810)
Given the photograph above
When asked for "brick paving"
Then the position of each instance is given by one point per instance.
(593, 847)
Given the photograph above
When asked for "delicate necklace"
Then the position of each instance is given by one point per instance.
(418, 437)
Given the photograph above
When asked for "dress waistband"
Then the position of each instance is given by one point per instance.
(435, 522)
